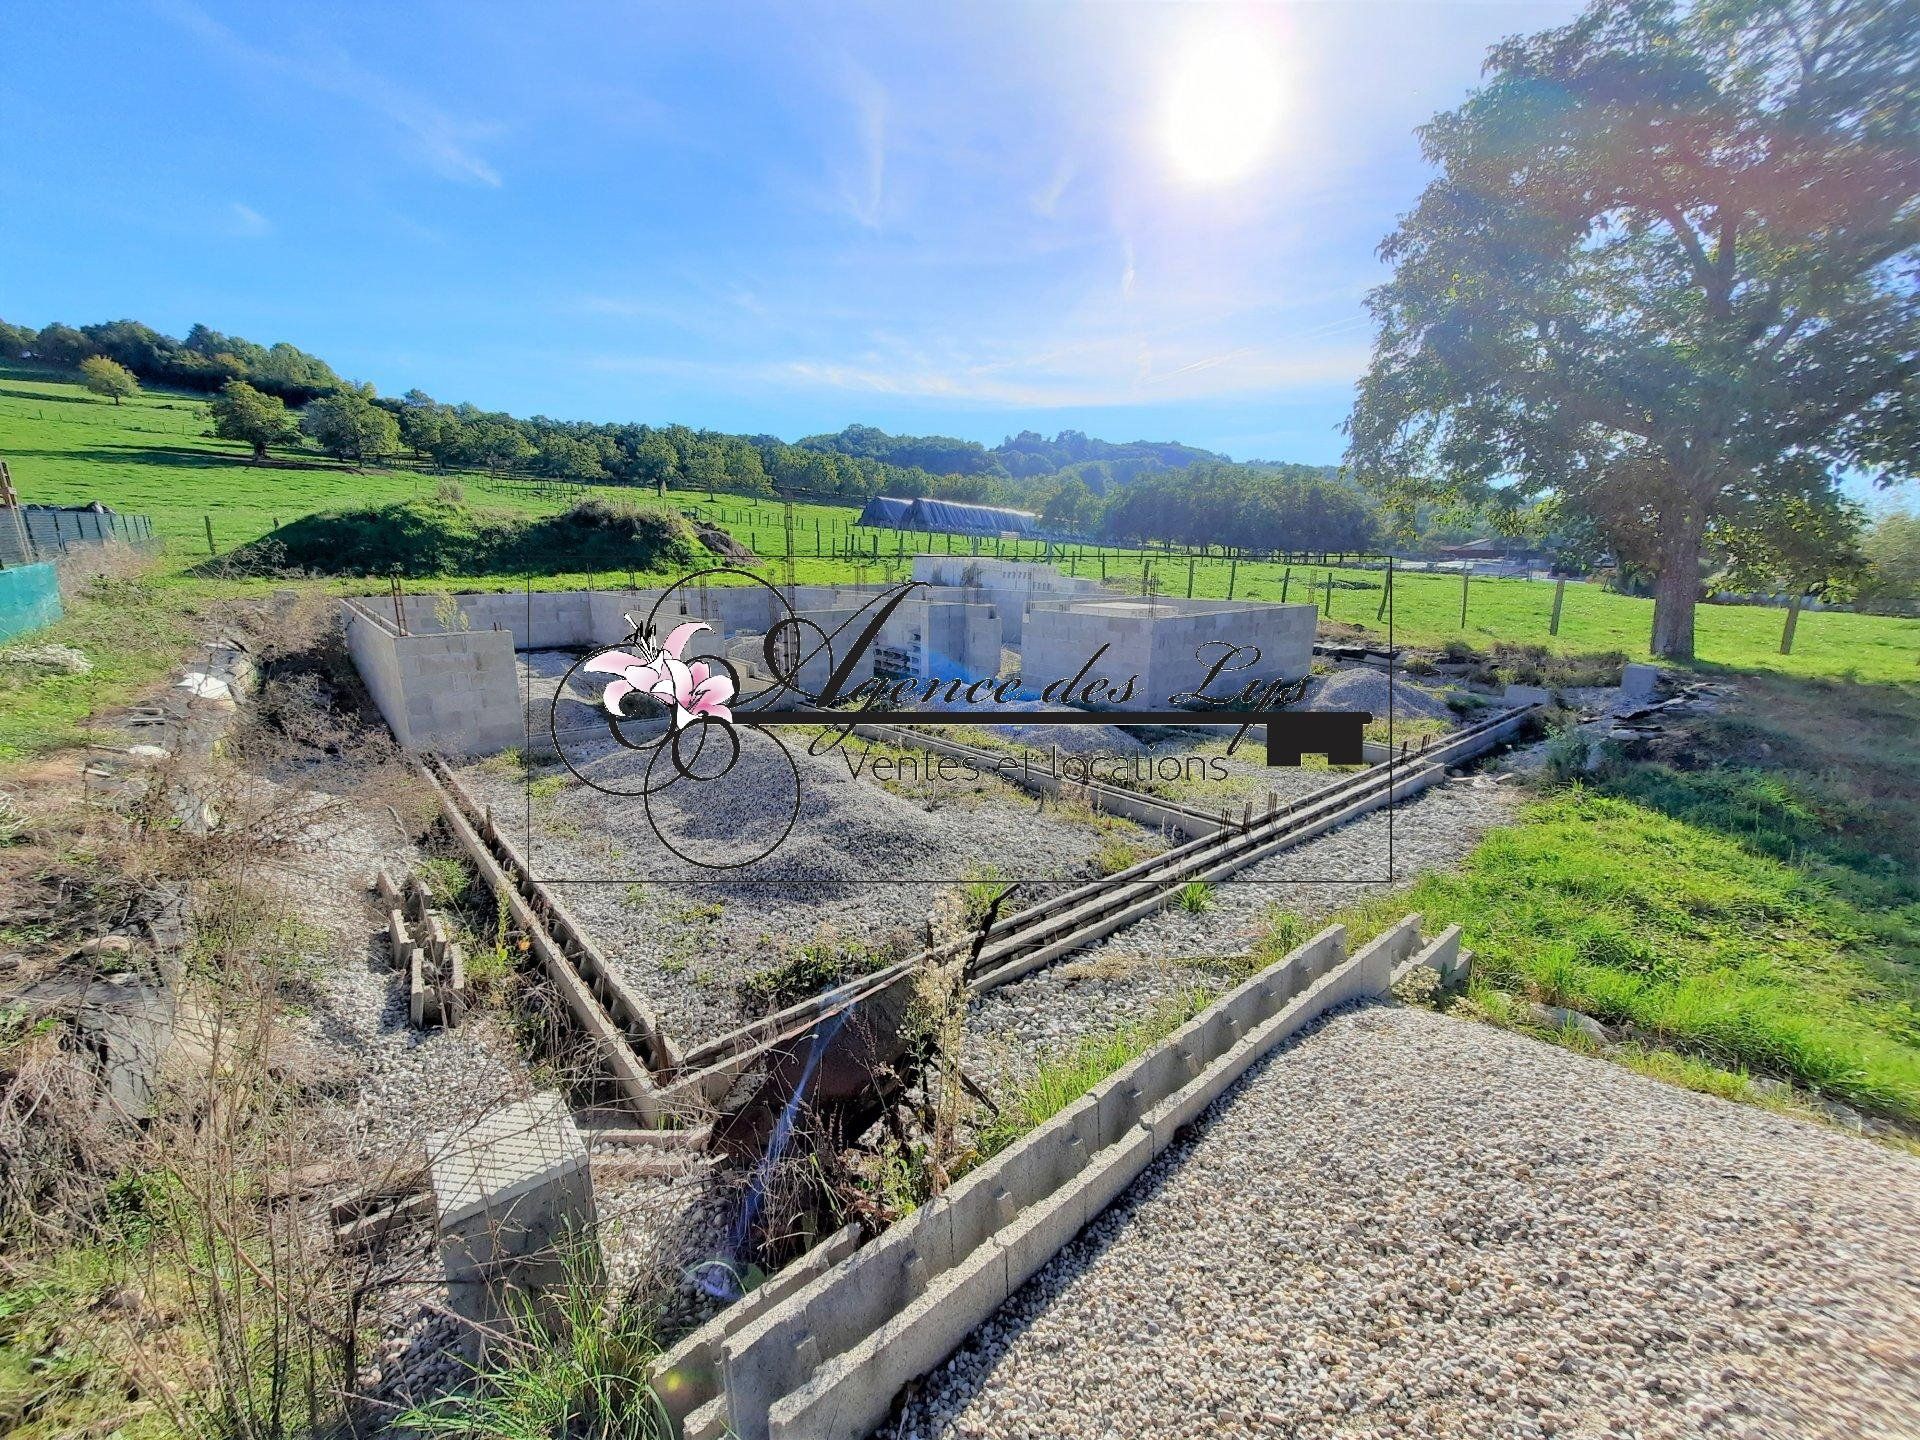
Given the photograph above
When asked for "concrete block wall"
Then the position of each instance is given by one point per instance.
(1160, 643)
(513, 1196)
(827, 1361)
(455, 691)
(1008, 585)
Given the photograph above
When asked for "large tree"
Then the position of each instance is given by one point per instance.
(241, 412)
(108, 377)
(347, 424)
(1667, 277)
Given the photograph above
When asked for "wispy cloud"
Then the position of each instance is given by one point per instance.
(247, 221)
(863, 186)
(446, 145)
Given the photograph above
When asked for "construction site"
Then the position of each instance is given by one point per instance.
(769, 1064)
(789, 1054)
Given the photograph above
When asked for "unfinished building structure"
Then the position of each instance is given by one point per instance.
(445, 679)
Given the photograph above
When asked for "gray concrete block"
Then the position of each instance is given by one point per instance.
(1637, 681)
(851, 1392)
(1517, 695)
(516, 1220)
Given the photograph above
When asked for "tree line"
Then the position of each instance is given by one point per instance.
(269, 397)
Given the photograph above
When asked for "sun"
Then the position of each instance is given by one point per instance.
(1223, 105)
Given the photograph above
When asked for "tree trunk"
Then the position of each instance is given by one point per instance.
(259, 451)
(1676, 592)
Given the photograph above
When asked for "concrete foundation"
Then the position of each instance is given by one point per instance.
(516, 1220)
(443, 673)
(1010, 586)
(826, 1361)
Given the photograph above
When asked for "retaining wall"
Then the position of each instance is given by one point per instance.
(827, 1361)
(29, 599)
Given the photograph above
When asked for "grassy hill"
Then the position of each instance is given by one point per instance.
(151, 455)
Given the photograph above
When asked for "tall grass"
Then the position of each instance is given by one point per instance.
(1064, 1077)
(579, 1368)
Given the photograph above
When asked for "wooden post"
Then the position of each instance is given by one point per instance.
(1189, 577)
(1233, 570)
(1329, 611)
(1559, 598)
(1793, 623)
(1386, 595)
(1463, 597)
(1103, 567)
(1286, 583)
(210, 549)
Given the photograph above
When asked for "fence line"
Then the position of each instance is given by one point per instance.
(28, 536)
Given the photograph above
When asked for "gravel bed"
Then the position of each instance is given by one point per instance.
(1158, 960)
(356, 1019)
(862, 863)
(1409, 1224)
(1362, 687)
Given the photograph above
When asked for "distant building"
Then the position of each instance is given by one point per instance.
(947, 517)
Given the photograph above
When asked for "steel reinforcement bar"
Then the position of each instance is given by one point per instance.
(1041, 933)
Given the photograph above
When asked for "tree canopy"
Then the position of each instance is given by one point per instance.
(241, 412)
(348, 425)
(105, 377)
(1282, 507)
(1666, 277)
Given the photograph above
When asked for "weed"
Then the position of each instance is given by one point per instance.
(980, 887)
(1117, 853)
(820, 964)
(580, 1366)
(447, 880)
(1196, 897)
(1062, 1079)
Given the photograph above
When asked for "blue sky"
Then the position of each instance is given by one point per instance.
(1140, 221)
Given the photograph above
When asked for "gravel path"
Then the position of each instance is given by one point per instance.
(1410, 1224)
(1167, 956)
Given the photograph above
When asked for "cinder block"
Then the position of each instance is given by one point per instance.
(514, 1197)
(1637, 681)
(851, 1393)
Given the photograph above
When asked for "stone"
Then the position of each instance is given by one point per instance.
(514, 1199)
(1637, 681)
(129, 1027)
(106, 945)
(1553, 1017)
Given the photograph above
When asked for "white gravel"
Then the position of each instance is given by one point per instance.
(1408, 1224)
(1362, 687)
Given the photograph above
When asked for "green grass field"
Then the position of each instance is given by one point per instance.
(149, 456)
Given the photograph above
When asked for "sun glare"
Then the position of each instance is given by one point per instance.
(1223, 105)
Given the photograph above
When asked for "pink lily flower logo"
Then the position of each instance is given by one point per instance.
(695, 691)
